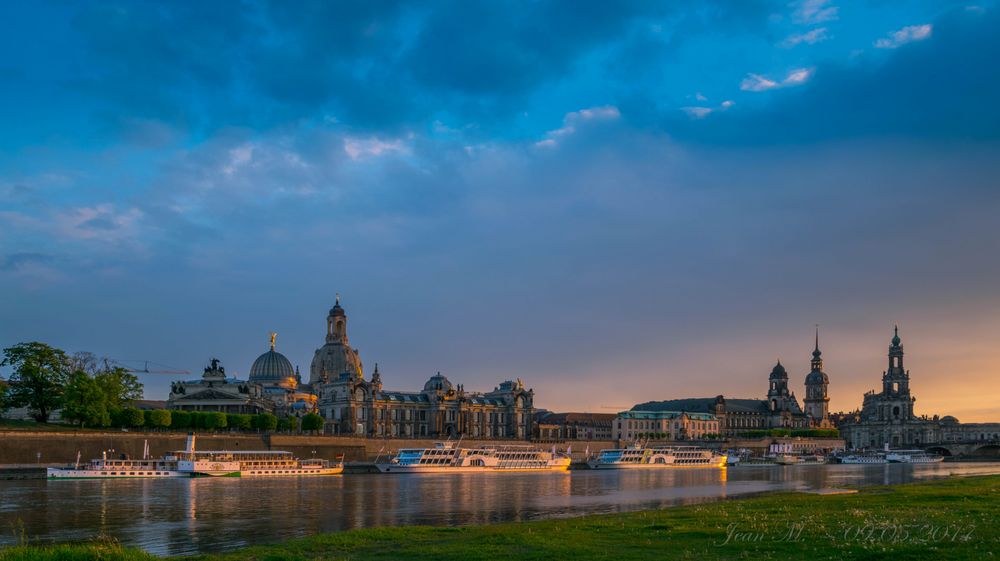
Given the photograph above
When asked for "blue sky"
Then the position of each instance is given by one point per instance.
(613, 204)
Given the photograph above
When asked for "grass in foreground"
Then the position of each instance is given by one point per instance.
(948, 519)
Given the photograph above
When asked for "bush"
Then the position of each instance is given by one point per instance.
(239, 422)
(214, 420)
(159, 419)
(180, 419)
(288, 424)
(312, 421)
(132, 418)
(265, 422)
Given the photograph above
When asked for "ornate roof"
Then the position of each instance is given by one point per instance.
(438, 382)
(272, 366)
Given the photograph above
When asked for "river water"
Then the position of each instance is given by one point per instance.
(185, 516)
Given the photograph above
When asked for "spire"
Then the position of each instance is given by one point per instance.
(817, 359)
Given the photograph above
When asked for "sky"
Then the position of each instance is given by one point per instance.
(614, 203)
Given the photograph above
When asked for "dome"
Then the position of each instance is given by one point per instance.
(334, 359)
(438, 382)
(817, 377)
(779, 371)
(949, 419)
(271, 366)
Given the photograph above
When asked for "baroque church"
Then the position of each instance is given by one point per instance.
(887, 417)
(352, 404)
(780, 409)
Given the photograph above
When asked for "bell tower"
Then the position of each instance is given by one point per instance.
(817, 401)
(336, 324)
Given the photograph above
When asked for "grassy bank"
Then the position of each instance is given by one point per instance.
(950, 519)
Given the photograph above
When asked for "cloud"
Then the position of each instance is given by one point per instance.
(814, 11)
(759, 83)
(23, 259)
(357, 148)
(809, 38)
(700, 112)
(574, 119)
(905, 35)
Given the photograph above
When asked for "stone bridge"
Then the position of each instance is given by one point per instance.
(967, 448)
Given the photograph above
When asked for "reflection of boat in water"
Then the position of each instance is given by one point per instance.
(446, 457)
(912, 457)
(193, 463)
(638, 457)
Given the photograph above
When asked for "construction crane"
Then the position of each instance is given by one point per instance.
(145, 367)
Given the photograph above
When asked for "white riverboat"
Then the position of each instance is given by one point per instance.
(638, 457)
(864, 458)
(912, 457)
(447, 457)
(191, 462)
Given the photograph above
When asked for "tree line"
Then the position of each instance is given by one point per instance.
(94, 393)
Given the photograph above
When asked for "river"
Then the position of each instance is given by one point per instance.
(186, 516)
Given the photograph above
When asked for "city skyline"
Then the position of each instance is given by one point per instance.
(655, 200)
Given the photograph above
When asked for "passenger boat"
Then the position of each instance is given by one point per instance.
(197, 463)
(637, 457)
(118, 468)
(912, 457)
(447, 457)
(864, 458)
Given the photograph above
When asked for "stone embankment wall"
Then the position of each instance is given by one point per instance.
(26, 447)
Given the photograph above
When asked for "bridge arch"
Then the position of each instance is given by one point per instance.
(940, 450)
(990, 450)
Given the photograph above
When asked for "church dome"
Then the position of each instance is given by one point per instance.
(334, 359)
(779, 371)
(438, 382)
(817, 377)
(271, 366)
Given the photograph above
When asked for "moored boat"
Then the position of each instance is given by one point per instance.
(912, 457)
(447, 457)
(639, 457)
(191, 462)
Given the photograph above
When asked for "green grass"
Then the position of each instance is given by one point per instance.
(948, 519)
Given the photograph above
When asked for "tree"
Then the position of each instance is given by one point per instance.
(265, 422)
(215, 420)
(312, 421)
(160, 418)
(238, 421)
(119, 385)
(40, 374)
(3, 397)
(84, 401)
(132, 417)
(180, 419)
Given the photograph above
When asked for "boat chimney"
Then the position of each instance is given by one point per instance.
(189, 447)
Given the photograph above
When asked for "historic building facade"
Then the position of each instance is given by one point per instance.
(664, 425)
(887, 417)
(780, 409)
(352, 404)
(217, 392)
(573, 426)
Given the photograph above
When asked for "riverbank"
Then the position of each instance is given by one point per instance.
(953, 519)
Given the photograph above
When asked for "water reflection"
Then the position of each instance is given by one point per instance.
(181, 516)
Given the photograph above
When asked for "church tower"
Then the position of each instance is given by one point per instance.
(896, 384)
(336, 359)
(777, 393)
(817, 401)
